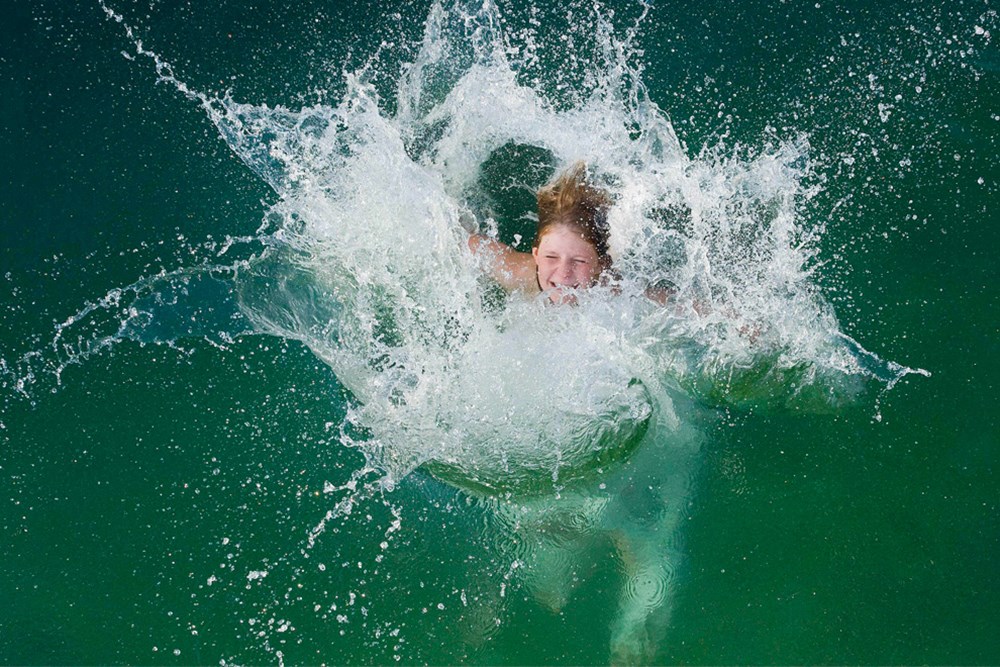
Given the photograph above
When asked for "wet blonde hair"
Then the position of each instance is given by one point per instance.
(572, 201)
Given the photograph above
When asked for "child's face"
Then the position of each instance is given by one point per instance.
(564, 259)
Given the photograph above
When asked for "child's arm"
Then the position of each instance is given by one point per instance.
(512, 269)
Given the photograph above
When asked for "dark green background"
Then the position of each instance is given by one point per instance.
(835, 538)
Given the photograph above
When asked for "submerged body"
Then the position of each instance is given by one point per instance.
(612, 458)
(584, 447)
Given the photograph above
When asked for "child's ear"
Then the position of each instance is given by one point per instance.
(534, 252)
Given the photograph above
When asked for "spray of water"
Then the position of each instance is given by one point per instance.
(550, 413)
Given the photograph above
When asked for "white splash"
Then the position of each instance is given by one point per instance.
(552, 414)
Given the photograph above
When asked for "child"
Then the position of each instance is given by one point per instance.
(570, 251)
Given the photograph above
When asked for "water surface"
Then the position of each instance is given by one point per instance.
(182, 425)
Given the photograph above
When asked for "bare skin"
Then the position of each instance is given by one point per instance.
(563, 261)
(512, 269)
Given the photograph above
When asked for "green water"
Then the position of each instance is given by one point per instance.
(143, 488)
